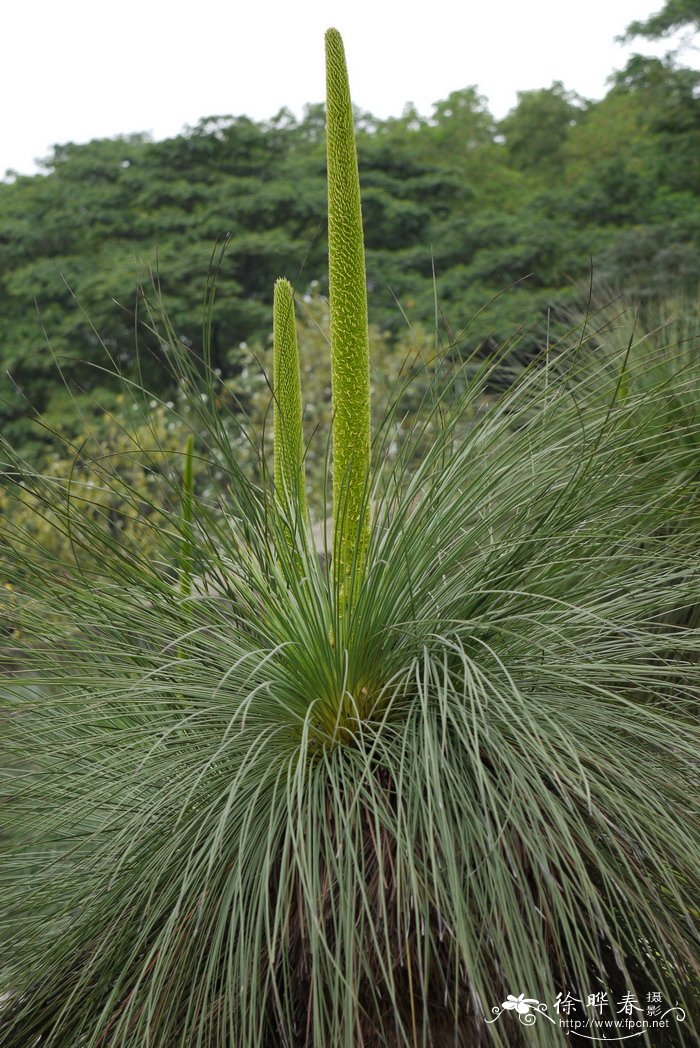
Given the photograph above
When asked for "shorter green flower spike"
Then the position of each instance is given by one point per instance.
(289, 440)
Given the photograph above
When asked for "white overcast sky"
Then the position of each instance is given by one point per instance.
(73, 70)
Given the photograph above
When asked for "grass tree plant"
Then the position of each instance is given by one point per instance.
(291, 805)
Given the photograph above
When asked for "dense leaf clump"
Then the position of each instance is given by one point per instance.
(241, 811)
(273, 783)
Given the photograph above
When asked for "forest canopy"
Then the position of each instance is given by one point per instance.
(460, 210)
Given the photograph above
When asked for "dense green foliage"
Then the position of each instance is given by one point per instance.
(243, 811)
(675, 14)
(240, 834)
(457, 207)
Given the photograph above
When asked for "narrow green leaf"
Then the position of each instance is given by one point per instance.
(187, 513)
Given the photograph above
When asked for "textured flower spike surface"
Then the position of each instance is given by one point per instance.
(349, 329)
(289, 437)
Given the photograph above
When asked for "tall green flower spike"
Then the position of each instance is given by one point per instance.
(349, 333)
(289, 440)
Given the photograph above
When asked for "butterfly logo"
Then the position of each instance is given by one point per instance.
(521, 1004)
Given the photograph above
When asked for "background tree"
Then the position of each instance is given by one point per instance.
(487, 227)
(675, 14)
(536, 130)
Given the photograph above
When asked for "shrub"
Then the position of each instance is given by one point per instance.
(258, 813)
